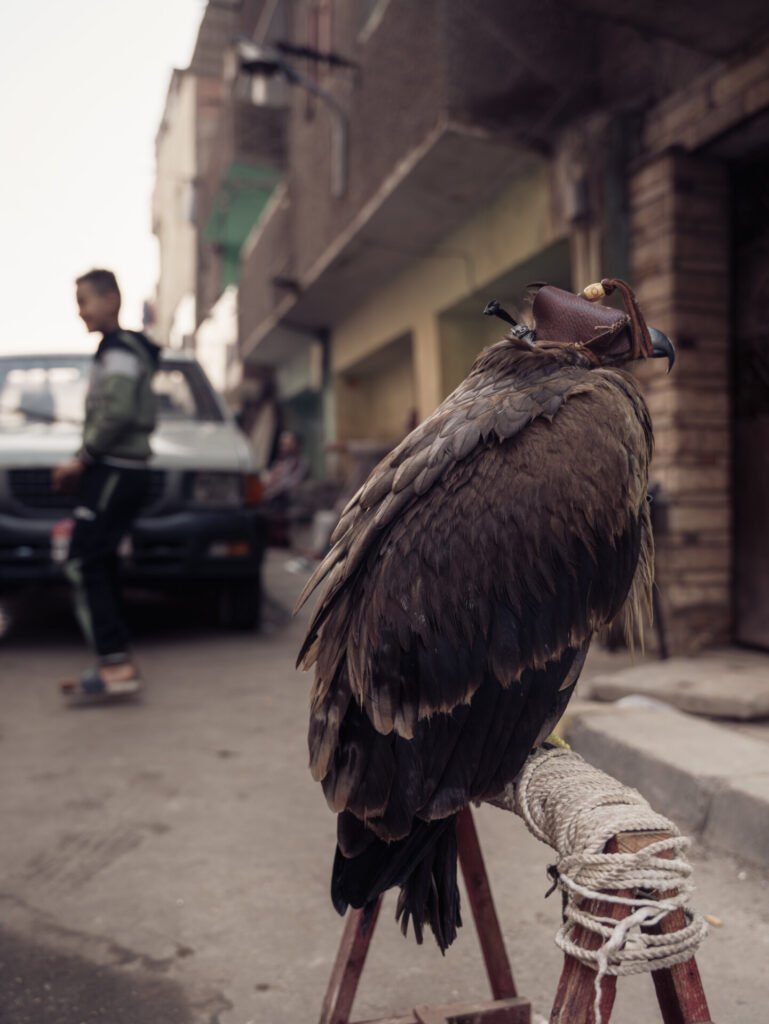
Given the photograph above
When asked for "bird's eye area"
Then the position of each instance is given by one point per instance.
(612, 344)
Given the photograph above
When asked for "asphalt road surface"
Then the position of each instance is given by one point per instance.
(167, 861)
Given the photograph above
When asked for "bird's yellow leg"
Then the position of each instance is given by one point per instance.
(555, 740)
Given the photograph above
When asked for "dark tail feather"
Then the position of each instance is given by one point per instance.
(424, 865)
(430, 892)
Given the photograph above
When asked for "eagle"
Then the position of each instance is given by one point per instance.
(464, 582)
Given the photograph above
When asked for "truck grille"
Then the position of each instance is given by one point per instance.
(32, 489)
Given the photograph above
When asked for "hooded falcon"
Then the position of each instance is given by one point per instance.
(465, 581)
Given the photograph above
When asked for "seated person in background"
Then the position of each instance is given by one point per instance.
(286, 472)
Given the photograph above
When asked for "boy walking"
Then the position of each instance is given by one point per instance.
(109, 478)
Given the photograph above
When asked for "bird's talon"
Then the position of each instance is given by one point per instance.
(554, 740)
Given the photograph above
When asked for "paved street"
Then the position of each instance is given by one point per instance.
(167, 862)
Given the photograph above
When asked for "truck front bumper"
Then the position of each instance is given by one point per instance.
(178, 547)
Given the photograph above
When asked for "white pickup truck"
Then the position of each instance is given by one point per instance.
(201, 524)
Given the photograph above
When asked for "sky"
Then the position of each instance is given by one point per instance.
(82, 89)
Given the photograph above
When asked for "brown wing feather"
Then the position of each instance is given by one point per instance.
(502, 525)
(497, 575)
(466, 419)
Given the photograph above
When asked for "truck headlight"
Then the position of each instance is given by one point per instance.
(217, 489)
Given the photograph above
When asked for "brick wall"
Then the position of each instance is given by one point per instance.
(710, 104)
(392, 106)
(680, 222)
(494, 67)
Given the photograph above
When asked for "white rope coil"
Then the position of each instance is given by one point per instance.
(576, 809)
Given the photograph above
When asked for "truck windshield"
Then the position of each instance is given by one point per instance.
(52, 389)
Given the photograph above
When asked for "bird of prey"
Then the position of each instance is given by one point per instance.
(465, 580)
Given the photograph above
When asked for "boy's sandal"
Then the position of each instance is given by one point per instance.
(91, 684)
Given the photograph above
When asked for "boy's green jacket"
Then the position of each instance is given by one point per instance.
(120, 411)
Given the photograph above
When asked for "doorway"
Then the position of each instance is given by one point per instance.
(751, 409)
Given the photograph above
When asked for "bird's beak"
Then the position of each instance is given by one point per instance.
(662, 346)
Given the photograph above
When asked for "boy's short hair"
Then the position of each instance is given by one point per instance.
(102, 281)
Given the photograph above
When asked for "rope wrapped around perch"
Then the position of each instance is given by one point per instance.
(576, 809)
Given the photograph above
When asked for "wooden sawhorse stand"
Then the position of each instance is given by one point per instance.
(679, 989)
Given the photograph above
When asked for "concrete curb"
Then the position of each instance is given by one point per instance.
(711, 781)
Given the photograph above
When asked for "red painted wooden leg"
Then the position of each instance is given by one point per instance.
(348, 966)
(680, 994)
(575, 996)
(482, 905)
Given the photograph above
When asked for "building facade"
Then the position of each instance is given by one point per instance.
(173, 214)
(460, 151)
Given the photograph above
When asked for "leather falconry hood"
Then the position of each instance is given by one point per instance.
(601, 331)
(605, 335)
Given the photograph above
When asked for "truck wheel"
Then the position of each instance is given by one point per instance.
(240, 604)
